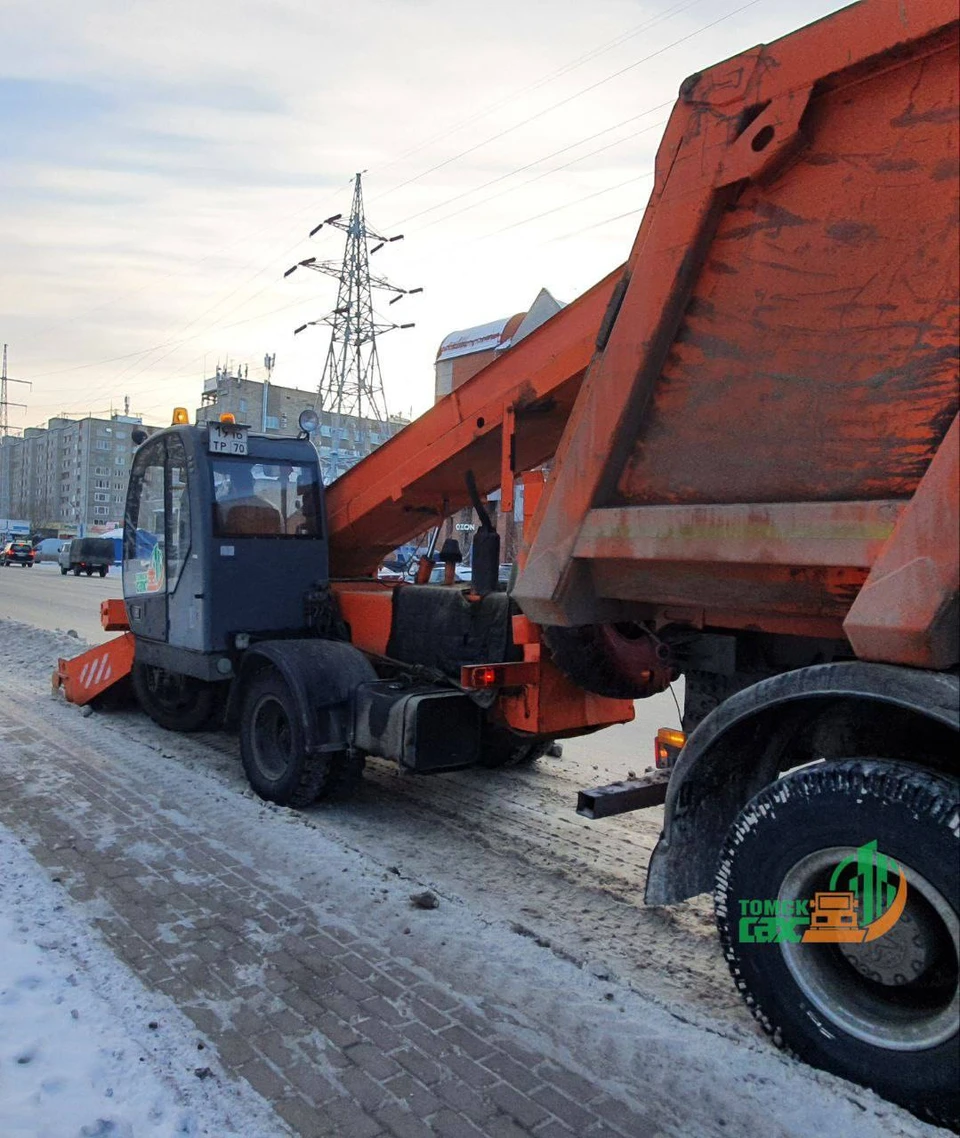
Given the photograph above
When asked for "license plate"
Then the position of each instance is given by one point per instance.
(227, 439)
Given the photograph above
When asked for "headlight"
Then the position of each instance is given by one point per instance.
(309, 420)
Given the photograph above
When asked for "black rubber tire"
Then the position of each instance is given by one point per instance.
(273, 747)
(76, 571)
(103, 570)
(175, 702)
(582, 656)
(89, 572)
(909, 811)
(63, 572)
(500, 747)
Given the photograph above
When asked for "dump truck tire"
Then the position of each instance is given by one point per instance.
(273, 745)
(883, 1012)
(175, 702)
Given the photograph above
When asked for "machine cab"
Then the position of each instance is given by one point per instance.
(224, 535)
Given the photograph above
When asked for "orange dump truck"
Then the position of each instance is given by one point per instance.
(752, 437)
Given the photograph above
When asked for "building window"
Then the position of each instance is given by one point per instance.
(101, 497)
(243, 406)
(101, 511)
(271, 423)
(103, 444)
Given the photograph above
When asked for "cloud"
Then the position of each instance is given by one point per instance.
(164, 162)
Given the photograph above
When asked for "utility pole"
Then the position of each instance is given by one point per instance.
(4, 401)
(351, 382)
(268, 362)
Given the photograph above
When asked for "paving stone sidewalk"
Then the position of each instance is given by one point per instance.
(336, 1035)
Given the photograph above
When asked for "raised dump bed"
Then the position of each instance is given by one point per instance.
(782, 369)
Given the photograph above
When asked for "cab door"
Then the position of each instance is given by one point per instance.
(156, 535)
(144, 545)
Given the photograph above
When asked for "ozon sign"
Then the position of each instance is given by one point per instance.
(466, 527)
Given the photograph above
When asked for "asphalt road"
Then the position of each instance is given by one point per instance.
(41, 596)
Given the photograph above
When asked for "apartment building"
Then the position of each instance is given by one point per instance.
(69, 476)
(269, 409)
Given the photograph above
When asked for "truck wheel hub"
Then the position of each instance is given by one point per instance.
(900, 991)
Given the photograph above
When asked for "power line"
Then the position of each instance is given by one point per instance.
(602, 49)
(537, 161)
(567, 205)
(544, 174)
(596, 225)
(569, 98)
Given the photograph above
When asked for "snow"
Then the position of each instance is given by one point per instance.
(358, 865)
(481, 338)
(78, 1055)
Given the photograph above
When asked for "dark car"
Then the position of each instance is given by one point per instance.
(18, 553)
(87, 555)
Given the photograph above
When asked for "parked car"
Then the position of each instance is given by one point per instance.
(18, 553)
(47, 549)
(86, 555)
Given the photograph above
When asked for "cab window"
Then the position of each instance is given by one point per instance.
(260, 499)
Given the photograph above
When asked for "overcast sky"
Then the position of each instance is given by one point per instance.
(163, 161)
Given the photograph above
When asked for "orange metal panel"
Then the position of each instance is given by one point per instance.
(555, 706)
(785, 533)
(90, 674)
(906, 613)
(113, 615)
(789, 329)
(368, 609)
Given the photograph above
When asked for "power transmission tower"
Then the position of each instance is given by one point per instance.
(351, 382)
(4, 401)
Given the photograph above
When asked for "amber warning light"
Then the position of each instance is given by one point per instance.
(667, 746)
